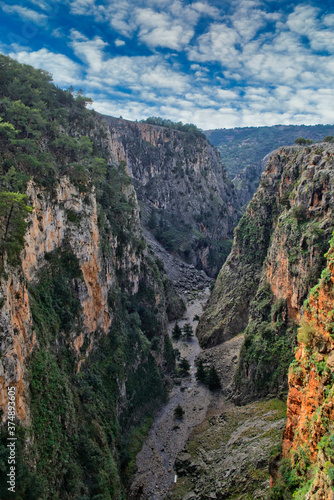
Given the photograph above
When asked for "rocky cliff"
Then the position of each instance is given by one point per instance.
(307, 469)
(276, 257)
(84, 303)
(64, 302)
(186, 197)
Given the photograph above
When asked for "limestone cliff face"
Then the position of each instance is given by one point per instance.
(84, 303)
(50, 228)
(66, 220)
(309, 429)
(276, 257)
(17, 340)
(247, 181)
(187, 200)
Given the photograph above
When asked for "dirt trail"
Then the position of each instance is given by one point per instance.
(168, 436)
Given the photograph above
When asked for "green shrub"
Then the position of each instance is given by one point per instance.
(177, 332)
(201, 373)
(13, 211)
(184, 367)
(326, 276)
(213, 379)
(305, 333)
(298, 212)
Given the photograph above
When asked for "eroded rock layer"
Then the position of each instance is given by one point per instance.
(84, 302)
(186, 197)
(276, 257)
(309, 429)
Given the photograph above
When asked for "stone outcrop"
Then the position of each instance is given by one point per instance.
(227, 455)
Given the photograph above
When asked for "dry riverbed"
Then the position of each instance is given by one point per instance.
(168, 436)
(218, 450)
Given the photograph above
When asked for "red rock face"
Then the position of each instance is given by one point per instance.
(48, 227)
(310, 400)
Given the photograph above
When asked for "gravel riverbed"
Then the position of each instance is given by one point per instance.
(168, 436)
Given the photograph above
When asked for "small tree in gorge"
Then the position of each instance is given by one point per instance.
(188, 331)
(179, 412)
(201, 374)
(213, 379)
(177, 332)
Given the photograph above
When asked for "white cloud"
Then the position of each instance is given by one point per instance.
(156, 23)
(227, 94)
(137, 73)
(248, 19)
(303, 19)
(277, 77)
(172, 28)
(328, 20)
(58, 33)
(82, 7)
(42, 4)
(25, 13)
(162, 30)
(218, 44)
(64, 70)
(206, 9)
(89, 51)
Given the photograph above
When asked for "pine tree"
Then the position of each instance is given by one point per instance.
(213, 379)
(178, 412)
(184, 366)
(177, 332)
(188, 331)
(201, 374)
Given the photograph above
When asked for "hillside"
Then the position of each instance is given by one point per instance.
(260, 294)
(104, 222)
(243, 149)
(84, 303)
(276, 258)
(187, 200)
(307, 468)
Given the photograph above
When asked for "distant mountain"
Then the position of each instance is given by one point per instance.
(242, 149)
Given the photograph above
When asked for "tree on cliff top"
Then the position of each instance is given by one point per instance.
(302, 141)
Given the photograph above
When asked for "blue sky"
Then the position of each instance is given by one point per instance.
(218, 64)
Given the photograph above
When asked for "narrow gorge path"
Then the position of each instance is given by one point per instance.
(168, 436)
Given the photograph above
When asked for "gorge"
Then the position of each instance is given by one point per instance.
(112, 232)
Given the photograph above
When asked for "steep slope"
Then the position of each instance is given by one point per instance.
(276, 257)
(186, 197)
(243, 149)
(247, 181)
(83, 301)
(308, 466)
(246, 146)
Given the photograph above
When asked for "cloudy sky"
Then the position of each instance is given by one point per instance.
(215, 63)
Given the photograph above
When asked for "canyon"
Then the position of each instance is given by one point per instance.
(118, 231)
